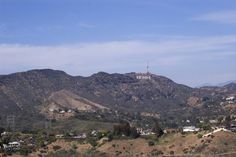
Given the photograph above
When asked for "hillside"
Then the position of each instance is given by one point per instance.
(222, 143)
(34, 93)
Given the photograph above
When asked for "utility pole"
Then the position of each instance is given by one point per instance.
(48, 125)
(11, 122)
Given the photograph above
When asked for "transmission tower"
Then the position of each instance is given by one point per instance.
(11, 122)
(48, 125)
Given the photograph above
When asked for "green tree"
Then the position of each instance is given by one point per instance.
(110, 136)
(24, 150)
(133, 132)
(2, 130)
(206, 126)
(92, 141)
(220, 119)
(227, 122)
(120, 129)
(157, 130)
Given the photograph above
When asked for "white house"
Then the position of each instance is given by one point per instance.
(94, 133)
(59, 136)
(144, 132)
(231, 98)
(51, 109)
(5, 133)
(80, 136)
(190, 129)
(62, 111)
(213, 121)
(12, 145)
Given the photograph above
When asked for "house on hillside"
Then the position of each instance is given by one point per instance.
(12, 145)
(231, 98)
(190, 129)
(213, 121)
(62, 112)
(5, 133)
(144, 132)
(51, 109)
(94, 133)
(233, 126)
(59, 136)
(81, 136)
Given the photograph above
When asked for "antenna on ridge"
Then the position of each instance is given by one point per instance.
(147, 67)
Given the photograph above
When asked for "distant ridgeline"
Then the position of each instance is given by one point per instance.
(143, 76)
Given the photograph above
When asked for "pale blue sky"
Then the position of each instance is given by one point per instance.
(190, 41)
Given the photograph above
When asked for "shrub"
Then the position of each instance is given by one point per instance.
(74, 146)
(151, 143)
(8, 152)
(156, 152)
(2, 130)
(185, 150)
(199, 136)
(25, 151)
(110, 136)
(92, 141)
(206, 127)
(43, 151)
(172, 152)
(55, 148)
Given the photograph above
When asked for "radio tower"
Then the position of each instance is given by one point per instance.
(147, 67)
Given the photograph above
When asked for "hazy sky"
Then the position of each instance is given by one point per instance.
(189, 41)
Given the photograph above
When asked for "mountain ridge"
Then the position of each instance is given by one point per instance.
(24, 93)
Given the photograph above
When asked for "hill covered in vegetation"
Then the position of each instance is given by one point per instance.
(48, 94)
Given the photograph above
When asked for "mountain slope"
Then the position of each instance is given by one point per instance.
(24, 94)
(125, 91)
